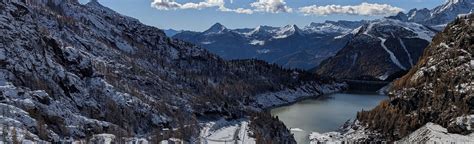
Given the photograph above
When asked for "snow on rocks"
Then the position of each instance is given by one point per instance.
(433, 133)
(223, 131)
(462, 123)
(287, 96)
(103, 138)
(381, 27)
(351, 132)
(80, 70)
(257, 42)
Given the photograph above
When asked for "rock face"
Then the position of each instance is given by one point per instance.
(70, 71)
(380, 50)
(289, 46)
(438, 89)
(433, 103)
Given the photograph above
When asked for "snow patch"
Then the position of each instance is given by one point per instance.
(392, 55)
(257, 42)
(222, 131)
(207, 42)
(406, 51)
(296, 130)
(263, 51)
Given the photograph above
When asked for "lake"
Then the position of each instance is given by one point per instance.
(324, 114)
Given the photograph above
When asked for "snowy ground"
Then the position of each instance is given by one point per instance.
(432, 133)
(226, 132)
(273, 99)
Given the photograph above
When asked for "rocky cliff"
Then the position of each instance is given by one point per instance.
(438, 89)
(433, 103)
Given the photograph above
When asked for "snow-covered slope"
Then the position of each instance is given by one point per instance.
(433, 103)
(289, 46)
(439, 16)
(438, 89)
(84, 72)
(380, 49)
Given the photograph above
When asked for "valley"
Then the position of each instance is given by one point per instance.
(74, 71)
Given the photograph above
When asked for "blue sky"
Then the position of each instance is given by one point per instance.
(193, 15)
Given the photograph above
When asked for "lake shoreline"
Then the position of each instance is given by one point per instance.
(316, 97)
(324, 113)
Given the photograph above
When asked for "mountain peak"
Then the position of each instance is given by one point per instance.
(94, 2)
(216, 28)
(218, 25)
(292, 28)
(439, 16)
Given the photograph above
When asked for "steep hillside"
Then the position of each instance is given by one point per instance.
(381, 50)
(433, 103)
(70, 71)
(439, 89)
(288, 46)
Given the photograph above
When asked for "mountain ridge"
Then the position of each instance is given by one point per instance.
(76, 73)
(275, 44)
(379, 50)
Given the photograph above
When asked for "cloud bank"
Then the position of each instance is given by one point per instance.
(271, 6)
(173, 5)
(366, 9)
(280, 6)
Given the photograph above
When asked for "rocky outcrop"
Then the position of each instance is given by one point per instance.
(438, 89)
(433, 103)
(433, 133)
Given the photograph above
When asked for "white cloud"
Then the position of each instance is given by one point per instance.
(165, 4)
(204, 4)
(171, 4)
(220, 4)
(367, 9)
(272, 6)
(238, 10)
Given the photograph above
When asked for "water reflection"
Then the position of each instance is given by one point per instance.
(324, 114)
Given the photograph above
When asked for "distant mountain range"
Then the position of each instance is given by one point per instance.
(171, 32)
(439, 16)
(385, 49)
(305, 48)
(289, 46)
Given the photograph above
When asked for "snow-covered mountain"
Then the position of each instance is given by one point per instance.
(439, 16)
(385, 49)
(432, 103)
(289, 46)
(382, 49)
(84, 72)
